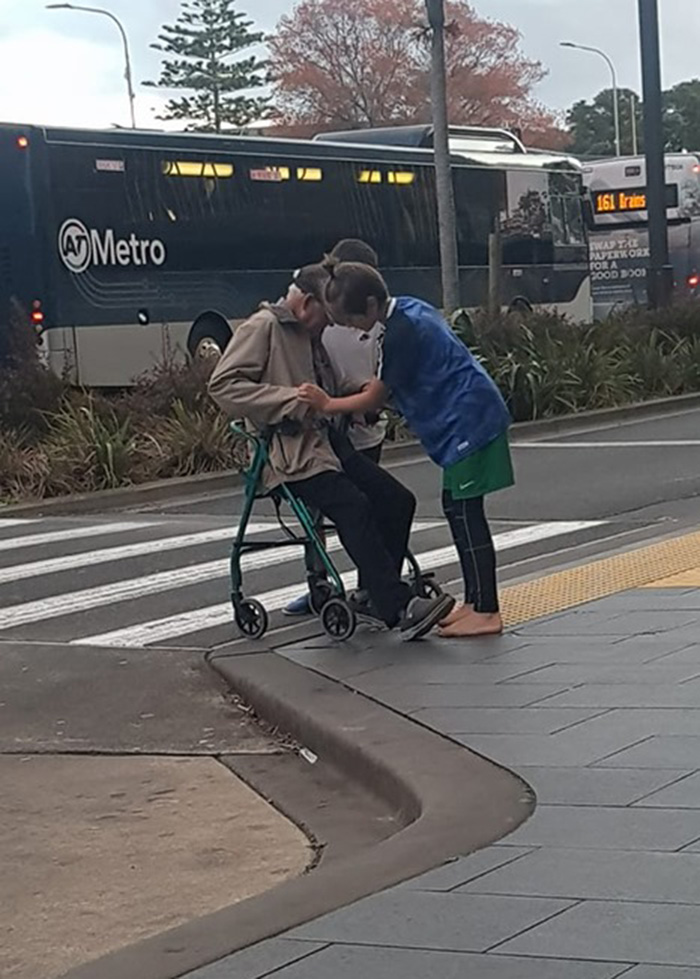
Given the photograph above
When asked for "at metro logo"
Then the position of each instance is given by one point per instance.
(81, 247)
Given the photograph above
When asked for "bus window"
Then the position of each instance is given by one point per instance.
(567, 220)
(575, 221)
(394, 211)
(478, 194)
(196, 168)
(527, 229)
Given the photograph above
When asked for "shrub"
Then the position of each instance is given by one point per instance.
(28, 390)
(55, 439)
(546, 366)
(156, 392)
(23, 468)
(90, 447)
(192, 441)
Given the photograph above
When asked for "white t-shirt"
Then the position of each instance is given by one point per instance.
(353, 355)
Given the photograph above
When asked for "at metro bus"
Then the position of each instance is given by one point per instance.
(129, 246)
(619, 228)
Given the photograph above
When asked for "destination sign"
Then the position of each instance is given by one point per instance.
(618, 201)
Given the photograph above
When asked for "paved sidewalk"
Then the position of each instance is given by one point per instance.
(598, 708)
(120, 815)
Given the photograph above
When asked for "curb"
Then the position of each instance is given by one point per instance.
(448, 802)
(592, 419)
(163, 490)
(158, 491)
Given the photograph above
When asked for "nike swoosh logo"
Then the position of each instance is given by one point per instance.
(464, 486)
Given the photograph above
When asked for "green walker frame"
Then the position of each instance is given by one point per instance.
(328, 597)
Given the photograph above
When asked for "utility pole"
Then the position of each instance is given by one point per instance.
(447, 222)
(660, 272)
(633, 117)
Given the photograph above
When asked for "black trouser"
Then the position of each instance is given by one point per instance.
(372, 513)
(345, 450)
(374, 454)
(477, 555)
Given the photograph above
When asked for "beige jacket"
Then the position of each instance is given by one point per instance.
(268, 357)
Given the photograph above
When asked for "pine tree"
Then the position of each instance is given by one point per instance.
(203, 39)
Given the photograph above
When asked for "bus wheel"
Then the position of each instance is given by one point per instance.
(520, 305)
(208, 337)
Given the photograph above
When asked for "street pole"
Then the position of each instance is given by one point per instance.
(660, 272)
(447, 222)
(613, 74)
(125, 42)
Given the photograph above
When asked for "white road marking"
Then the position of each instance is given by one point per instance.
(14, 522)
(107, 555)
(184, 623)
(75, 533)
(69, 603)
(670, 443)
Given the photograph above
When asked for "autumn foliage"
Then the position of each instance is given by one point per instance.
(341, 65)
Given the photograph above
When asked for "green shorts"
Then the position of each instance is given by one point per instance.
(486, 471)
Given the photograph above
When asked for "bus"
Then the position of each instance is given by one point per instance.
(619, 233)
(127, 246)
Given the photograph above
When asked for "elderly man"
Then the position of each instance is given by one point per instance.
(269, 357)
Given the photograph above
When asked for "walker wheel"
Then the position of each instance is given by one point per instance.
(338, 619)
(320, 592)
(251, 618)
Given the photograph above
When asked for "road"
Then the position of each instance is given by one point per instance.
(158, 576)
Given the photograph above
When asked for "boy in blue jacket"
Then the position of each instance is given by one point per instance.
(450, 403)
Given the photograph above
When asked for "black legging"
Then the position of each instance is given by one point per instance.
(477, 555)
(374, 453)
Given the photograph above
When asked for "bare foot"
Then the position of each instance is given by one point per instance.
(457, 613)
(473, 624)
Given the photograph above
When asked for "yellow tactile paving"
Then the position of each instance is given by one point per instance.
(686, 579)
(670, 564)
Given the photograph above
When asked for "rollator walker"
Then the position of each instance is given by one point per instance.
(327, 592)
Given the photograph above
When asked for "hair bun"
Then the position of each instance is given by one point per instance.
(330, 264)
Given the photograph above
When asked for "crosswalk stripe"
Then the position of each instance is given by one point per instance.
(75, 533)
(511, 538)
(14, 521)
(69, 603)
(107, 555)
(183, 623)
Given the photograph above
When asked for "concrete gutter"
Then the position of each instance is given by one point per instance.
(447, 800)
(165, 490)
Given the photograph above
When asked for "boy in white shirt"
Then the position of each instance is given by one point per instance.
(353, 356)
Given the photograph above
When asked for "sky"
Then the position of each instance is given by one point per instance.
(66, 68)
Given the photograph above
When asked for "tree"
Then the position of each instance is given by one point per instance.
(206, 35)
(682, 116)
(341, 65)
(592, 126)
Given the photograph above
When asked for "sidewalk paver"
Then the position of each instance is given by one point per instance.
(598, 708)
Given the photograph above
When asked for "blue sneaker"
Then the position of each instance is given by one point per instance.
(300, 606)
